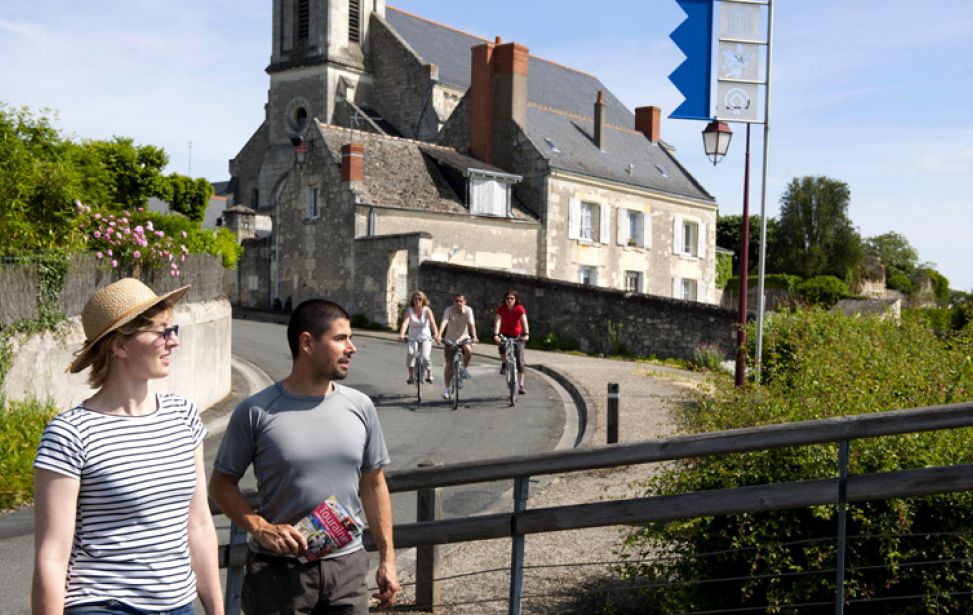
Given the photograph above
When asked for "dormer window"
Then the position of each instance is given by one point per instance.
(488, 192)
(489, 197)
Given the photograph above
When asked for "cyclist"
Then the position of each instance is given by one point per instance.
(420, 324)
(458, 324)
(511, 321)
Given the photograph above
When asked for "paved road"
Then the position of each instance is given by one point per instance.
(483, 426)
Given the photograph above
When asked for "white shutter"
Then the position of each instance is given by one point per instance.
(621, 226)
(647, 230)
(701, 241)
(676, 235)
(603, 233)
(574, 218)
(675, 288)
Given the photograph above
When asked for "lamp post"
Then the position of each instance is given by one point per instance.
(716, 140)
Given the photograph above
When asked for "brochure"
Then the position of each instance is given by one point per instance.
(328, 528)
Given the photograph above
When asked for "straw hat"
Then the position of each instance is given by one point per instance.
(113, 306)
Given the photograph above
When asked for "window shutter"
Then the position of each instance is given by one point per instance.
(647, 230)
(574, 218)
(621, 226)
(677, 235)
(603, 233)
(675, 288)
(701, 240)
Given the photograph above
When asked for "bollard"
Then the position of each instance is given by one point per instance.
(613, 413)
(429, 507)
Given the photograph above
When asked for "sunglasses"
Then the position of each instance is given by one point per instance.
(167, 334)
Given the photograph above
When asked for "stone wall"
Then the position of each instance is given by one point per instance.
(19, 284)
(648, 325)
(201, 367)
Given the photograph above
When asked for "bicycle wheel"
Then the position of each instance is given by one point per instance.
(512, 381)
(420, 375)
(454, 384)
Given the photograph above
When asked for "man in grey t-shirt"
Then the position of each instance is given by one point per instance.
(308, 438)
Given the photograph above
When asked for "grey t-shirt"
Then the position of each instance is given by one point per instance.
(303, 450)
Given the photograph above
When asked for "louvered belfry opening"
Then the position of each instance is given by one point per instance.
(354, 21)
(303, 19)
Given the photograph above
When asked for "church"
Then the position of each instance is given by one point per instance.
(390, 140)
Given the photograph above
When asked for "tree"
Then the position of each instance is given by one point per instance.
(121, 174)
(815, 236)
(38, 184)
(895, 252)
(728, 231)
(186, 195)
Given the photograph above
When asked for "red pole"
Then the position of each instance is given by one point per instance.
(741, 366)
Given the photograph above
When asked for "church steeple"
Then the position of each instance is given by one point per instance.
(309, 32)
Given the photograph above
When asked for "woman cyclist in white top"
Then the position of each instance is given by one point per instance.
(419, 328)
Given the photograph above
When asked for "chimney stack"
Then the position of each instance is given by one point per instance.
(647, 121)
(498, 100)
(600, 120)
(352, 163)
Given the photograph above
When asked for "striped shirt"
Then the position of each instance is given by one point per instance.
(137, 476)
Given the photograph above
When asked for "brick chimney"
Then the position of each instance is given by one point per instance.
(498, 100)
(600, 120)
(647, 121)
(352, 162)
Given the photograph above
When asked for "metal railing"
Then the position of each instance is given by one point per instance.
(841, 490)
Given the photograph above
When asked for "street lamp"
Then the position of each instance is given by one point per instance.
(716, 140)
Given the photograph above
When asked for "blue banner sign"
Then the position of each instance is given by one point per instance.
(692, 78)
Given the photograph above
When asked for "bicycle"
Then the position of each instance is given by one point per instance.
(421, 371)
(510, 360)
(456, 380)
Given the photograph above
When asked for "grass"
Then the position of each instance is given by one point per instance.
(21, 426)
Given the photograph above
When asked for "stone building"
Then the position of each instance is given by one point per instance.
(390, 140)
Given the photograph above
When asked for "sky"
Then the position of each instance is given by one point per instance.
(875, 93)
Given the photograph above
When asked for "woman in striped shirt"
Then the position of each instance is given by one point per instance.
(122, 523)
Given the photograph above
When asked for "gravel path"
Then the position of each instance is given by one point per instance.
(565, 562)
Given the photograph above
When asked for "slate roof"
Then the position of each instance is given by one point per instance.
(555, 94)
(401, 173)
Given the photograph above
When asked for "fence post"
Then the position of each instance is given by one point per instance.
(429, 507)
(839, 600)
(234, 574)
(613, 412)
(521, 492)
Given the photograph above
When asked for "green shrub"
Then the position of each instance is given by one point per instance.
(773, 281)
(708, 356)
(21, 426)
(819, 364)
(825, 290)
(939, 320)
(900, 282)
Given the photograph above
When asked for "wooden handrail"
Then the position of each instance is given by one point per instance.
(681, 447)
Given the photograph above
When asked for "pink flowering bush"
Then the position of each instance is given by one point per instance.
(130, 240)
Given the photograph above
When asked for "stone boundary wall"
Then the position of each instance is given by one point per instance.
(648, 325)
(19, 283)
(201, 363)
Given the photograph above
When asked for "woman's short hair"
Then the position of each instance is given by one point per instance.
(102, 353)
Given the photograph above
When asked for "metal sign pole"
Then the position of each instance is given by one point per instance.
(763, 200)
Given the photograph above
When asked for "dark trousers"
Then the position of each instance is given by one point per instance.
(285, 586)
